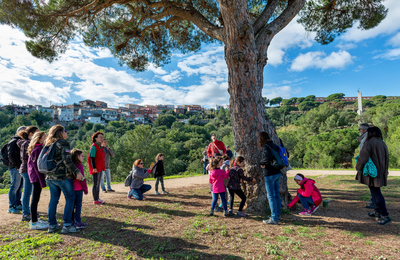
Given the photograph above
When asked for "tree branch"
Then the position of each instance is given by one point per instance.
(263, 19)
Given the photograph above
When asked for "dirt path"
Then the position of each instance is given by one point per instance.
(121, 190)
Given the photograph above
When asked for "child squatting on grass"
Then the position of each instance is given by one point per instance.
(80, 188)
(308, 195)
(217, 177)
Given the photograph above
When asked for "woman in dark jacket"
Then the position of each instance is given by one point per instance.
(61, 180)
(376, 149)
(271, 177)
(23, 144)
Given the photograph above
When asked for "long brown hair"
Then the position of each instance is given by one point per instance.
(55, 134)
(215, 162)
(74, 155)
(35, 140)
(263, 138)
(25, 134)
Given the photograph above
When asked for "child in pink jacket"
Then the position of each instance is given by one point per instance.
(217, 177)
(80, 188)
(308, 195)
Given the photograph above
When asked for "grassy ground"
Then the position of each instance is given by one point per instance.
(177, 226)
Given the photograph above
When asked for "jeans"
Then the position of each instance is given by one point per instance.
(96, 185)
(26, 196)
(159, 180)
(204, 167)
(379, 201)
(14, 193)
(306, 201)
(56, 187)
(107, 173)
(274, 199)
(138, 193)
(215, 200)
(37, 190)
(76, 213)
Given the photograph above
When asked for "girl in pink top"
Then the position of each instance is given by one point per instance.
(80, 188)
(217, 177)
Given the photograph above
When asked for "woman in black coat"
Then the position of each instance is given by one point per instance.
(377, 150)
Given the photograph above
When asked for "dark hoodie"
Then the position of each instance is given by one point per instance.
(159, 169)
(23, 146)
(14, 153)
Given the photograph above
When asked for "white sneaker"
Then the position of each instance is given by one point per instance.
(38, 225)
(165, 192)
(157, 193)
(43, 221)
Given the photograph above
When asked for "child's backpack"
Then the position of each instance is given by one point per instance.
(4, 155)
(283, 153)
(45, 161)
(277, 162)
(128, 179)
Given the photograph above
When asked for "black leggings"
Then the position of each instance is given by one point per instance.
(241, 195)
(379, 201)
(37, 190)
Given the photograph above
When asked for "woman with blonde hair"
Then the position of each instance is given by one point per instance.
(36, 178)
(61, 180)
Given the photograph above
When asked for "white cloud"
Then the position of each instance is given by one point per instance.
(173, 77)
(157, 70)
(320, 60)
(395, 40)
(392, 54)
(282, 91)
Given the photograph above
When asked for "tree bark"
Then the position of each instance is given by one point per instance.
(246, 103)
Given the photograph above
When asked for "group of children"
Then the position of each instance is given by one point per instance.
(224, 178)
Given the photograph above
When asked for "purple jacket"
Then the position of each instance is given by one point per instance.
(33, 172)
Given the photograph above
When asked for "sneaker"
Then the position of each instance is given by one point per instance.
(240, 214)
(165, 192)
(19, 207)
(98, 202)
(271, 222)
(37, 226)
(104, 191)
(70, 229)
(212, 213)
(314, 208)
(305, 212)
(81, 225)
(26, 217)
(13, 211)
(230, 213)
(111, 190)
(43, 221)
(219, 209)
(370, 206)
(157, 193)
(54, 229)
(375, 215)
(129, 195)
(385, 220)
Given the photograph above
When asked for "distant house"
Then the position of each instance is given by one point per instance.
(86, 103)
(179, 110)
(100, 104)
(132, 106)
(65, 114)
(161, 108)
(194, 108)
(95, 120)
(109, 114)
(47, 110)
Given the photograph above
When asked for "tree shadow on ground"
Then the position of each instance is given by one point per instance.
(134, 238)
(153, 209)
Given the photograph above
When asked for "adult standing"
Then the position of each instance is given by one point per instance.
(14, 193)
(108, 152)
(139, 173)
(215, 148)
(271, 176)
(376, 149)
(23, 144)
(61, 180)
(204, 161)
(361, 139)
(96, 161)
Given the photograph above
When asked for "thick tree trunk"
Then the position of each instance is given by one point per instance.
(246, 102)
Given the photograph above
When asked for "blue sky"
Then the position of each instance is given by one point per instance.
(297, 67)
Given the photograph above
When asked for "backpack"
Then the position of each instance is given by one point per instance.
(283, 154)
(277, 162)
(4, 155)
(45, 161)
(128, 179)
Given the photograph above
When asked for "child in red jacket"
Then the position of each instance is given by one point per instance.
(308, 195)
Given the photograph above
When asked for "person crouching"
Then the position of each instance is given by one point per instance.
(308, 195)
